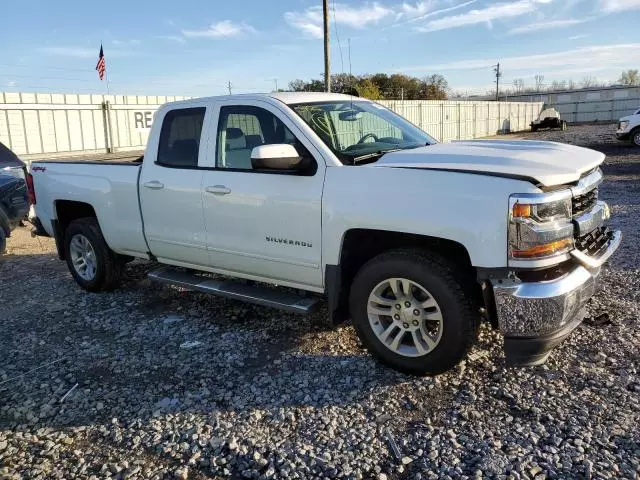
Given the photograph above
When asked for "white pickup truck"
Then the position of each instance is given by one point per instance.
(629, 128)
(416, 241)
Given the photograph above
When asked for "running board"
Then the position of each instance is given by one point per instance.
(267, 297)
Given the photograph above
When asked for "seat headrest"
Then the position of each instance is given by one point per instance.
(234, 133)
(235, 139)
(185, 152)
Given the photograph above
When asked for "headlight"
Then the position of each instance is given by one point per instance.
(540, 225)
(623, 125)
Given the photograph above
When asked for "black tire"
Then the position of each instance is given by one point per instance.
(534, 128)
(108, 267)
(460, 319)
(635, 136)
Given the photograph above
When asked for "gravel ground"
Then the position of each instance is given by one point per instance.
(105, 385)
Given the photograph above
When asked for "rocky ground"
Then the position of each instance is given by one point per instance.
(155, 382)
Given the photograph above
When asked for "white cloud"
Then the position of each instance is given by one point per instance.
(423, 10)
(548, 25)
(576, 37)
(310, 20)
(619, 5)
(599, 56)
(416, 10)
(224, 28)
(485, 15)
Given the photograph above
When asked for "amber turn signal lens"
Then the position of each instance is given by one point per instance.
(543, 250)
(521, 210)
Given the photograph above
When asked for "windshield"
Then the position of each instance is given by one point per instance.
(358, 131)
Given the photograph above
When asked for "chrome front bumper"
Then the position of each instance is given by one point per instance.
(530, 312)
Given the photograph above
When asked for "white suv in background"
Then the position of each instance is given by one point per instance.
(629, 128)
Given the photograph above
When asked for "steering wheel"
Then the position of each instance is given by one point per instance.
(368, 135)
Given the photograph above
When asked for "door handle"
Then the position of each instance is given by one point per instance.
(155, 185)
(218, 190)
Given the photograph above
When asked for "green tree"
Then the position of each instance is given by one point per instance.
(297, 85)
(380, 86)
(367, 89)
(629, 77)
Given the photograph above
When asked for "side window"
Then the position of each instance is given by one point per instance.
(241, 128)
(180, 137)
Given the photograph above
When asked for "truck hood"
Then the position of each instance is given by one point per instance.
(546, 163)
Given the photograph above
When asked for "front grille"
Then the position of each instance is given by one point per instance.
(592, 243)
(584, 202)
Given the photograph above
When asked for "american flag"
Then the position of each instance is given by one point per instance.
(101, 66)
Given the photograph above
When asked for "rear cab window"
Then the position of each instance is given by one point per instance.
(180, 136)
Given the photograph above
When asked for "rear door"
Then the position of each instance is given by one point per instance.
(259, 224)
(171, 187)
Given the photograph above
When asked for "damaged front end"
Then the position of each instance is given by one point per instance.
(557, 243)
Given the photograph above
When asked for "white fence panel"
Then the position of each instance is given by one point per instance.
(40, 124)
(606, 104)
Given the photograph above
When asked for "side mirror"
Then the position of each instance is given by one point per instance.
(275, 157)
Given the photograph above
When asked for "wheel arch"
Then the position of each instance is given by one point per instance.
(358, 246)
(67, 211)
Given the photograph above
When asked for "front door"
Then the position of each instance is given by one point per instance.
(265, 225)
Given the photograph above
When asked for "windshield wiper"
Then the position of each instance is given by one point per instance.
(367, 156)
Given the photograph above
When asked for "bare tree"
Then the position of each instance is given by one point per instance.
(589, 81)
(539, 82)
(572, 85)
(518, 85)
(558, 85)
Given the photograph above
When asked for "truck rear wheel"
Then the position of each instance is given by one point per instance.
(93, 265)
(412, 313)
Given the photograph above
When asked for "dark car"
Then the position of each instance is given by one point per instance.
(549, 118)
(14, 197)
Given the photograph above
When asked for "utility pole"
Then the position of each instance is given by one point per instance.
(327, 65)
(229, 86)
(276, 80)
(498, 75)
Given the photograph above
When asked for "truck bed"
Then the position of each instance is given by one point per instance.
(110, 188)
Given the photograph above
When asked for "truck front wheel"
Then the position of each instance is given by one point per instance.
(93, 265)
(412, 313)
(635, 137)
